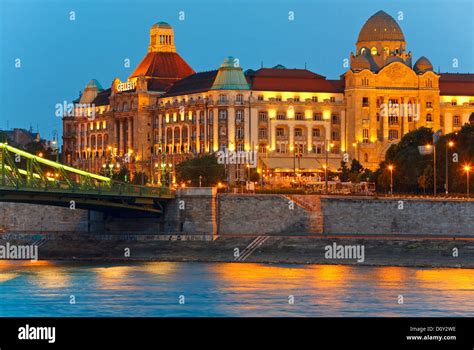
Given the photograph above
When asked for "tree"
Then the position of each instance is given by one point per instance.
(122, 175)
(345, 172)
(204, 166)
(139, 178)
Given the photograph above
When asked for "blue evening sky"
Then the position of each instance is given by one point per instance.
(59, 56)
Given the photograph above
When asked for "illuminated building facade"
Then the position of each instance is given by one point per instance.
(295, 119)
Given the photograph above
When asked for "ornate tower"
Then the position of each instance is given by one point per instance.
(161, 38)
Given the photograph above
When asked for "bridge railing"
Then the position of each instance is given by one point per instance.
(63, 179)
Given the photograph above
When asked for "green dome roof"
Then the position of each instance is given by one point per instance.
(162, 25)
(94, 84)
(230, 76)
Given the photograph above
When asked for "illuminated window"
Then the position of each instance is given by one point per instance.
(393, 134)
(317, 116)
(239, 115)
(365, 135)
(222, 114)
(456, 121)
(104, 125)
(362, 51)
(373, 51)
(239, 133)
(386, 50)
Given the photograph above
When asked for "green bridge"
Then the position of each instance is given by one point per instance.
(28, 178)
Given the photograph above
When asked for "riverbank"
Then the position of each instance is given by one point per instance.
(416, 252)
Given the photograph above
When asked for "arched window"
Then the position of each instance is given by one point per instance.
(373, 51)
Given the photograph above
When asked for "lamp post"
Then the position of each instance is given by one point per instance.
(467, 169)
(390, 167)
(327, 148)
(446, 185)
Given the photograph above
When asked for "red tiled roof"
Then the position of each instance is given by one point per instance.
(456, 84)
(167, 65)
(297, 80)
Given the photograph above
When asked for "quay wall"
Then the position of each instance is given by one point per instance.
(201, 211)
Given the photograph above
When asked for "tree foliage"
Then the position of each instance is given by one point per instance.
(205, 166)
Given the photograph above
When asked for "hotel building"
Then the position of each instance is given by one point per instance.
(298, 121)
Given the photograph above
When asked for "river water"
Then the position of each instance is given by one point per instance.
(46, 288)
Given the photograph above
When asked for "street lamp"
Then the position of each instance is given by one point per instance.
(390, 167)
(467, 169)
(449, 144)
(326, 165)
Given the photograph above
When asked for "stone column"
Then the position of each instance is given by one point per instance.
(206, 142)
(385, 120)
(272, 135)
(231, 127)
(198, 133)
(406, 100)
(129, 134)
(216, 130)
(344, 136)
(121, 138)
(291, 136)
(309, 138)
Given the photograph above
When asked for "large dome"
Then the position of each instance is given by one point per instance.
(381, 27)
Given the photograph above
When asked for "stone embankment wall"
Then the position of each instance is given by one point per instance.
(346, 215)
(268, 214)
(201, 211)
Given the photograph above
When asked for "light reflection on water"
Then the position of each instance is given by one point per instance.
(231, 289)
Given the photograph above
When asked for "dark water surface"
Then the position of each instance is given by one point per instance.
(45, 288)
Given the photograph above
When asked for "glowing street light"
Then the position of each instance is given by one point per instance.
(467, 169)
(390, 167)
(449, 145)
